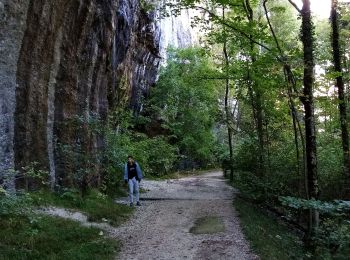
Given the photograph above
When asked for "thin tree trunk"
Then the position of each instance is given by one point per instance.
(260, 130)
(268, 146)
(346, 83)
(308, 102)
(238, 118)
(227, 94)
(296, 123)
(256, 99)
(340, 86)
(251, 94)
(297, 128)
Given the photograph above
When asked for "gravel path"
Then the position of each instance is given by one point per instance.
(159, 229)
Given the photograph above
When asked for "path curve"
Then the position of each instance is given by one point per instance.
(159, 229)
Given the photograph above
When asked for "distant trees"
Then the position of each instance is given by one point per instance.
(340, 86)
(186, 104)
(279, 73)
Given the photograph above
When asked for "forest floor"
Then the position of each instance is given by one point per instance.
(186, 218)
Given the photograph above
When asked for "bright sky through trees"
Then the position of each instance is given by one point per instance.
(320, 8)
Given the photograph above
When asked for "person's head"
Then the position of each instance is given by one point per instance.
(130, 159)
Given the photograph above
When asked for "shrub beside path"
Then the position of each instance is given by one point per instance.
(160, 228)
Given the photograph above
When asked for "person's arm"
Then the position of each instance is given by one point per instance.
(139, 172)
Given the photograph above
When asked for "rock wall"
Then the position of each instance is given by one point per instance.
(65, 65)
(177, 32)
(68, 63)
(12, 26)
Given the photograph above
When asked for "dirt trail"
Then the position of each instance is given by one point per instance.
(159, 229)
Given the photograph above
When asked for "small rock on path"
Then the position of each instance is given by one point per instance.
(159, 229)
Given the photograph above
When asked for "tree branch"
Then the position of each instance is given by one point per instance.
(271, 29)
(248, 9)
(215, 78)
(216, 17)
(295, 5)
(286, 66)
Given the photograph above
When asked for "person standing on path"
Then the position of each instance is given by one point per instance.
(132, 177)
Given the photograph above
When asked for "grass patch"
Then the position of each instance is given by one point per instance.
(95, 205)
(43, 237)
(208, 225)
(268, 238)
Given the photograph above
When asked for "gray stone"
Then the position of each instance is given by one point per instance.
(64, 62)
(2, 8)
(12, 27)
(78, 59)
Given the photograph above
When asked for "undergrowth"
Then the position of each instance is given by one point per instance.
(268, 238)
(26, 234)
(43, 237)
(97, 206)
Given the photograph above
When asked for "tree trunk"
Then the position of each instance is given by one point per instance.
(260, 131)
(340, 86)
(256, 98)
(268, 146)
(297, 129)
(307, 99)
(291, 84)
(227, 108)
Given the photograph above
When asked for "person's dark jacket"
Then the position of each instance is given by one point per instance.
(138, 171)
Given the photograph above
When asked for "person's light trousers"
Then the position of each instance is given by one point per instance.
(134, 187)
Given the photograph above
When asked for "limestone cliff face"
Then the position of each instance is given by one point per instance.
(12, 26)
(67, 63)
(177, 32)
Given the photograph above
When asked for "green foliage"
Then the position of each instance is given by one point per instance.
(264, 189)
(81, 160)
(102, 208)
(332, 237)
(32, 176)
(96, 205)
(245, 153)
(52, 238)
(27, 235)
(268, 148)
(334, 208)
(268, 238)
(34, 172)
(330, 159)
(160, 156)
(186, 100)
(11, 204)
(155, 155)
(147, 5)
